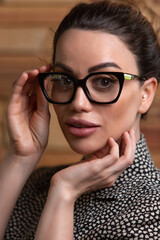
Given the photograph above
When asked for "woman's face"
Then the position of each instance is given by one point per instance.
(86, 125)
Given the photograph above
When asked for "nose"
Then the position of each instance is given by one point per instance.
(80, 102)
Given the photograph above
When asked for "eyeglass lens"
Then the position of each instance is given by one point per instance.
(101, 87)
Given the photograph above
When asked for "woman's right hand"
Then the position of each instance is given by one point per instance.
(28, 122)
(28, 115)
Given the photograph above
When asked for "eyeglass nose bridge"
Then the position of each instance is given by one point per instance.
(81, 83)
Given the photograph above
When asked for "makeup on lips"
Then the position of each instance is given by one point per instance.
(80, 127)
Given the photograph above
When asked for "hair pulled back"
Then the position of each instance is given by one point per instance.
(122, 20)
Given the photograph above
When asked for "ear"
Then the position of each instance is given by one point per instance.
(148, 90)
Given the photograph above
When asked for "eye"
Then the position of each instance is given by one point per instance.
(104, 82)
(65, 81)
(61, 81)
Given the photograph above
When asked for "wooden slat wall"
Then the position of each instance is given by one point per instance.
(26, 43)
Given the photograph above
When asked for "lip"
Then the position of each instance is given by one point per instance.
(81, 127)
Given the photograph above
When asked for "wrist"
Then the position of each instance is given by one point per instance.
(25, 163)
(62, 191)
(56, 221)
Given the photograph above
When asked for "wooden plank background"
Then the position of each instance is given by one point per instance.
(26, 43)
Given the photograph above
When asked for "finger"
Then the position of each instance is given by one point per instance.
(17, 89)
(110, 161)
(28, 86)
(114, 147)
(32, 90)
(45, 68)
(119, 166)
(31, 82)
(19, 83)
(130, 144)
(99, 164)
(123, 144)
(113, 171)
(31, 85)
(127, 158)
(34, 85)
(110, 148)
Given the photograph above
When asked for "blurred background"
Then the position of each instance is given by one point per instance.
(26, 33)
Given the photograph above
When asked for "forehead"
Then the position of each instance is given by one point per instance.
(85, 48)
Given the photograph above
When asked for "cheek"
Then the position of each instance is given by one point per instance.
(121, 115)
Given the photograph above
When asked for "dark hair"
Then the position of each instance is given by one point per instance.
(122, 20)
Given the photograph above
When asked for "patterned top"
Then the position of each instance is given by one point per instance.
(128, 210)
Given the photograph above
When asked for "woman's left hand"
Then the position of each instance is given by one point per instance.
(99, 170)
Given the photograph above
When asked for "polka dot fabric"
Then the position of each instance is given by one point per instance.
(128, 210)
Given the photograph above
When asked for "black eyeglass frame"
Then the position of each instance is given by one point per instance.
(82, 83)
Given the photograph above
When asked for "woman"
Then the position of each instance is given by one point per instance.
(103, 81)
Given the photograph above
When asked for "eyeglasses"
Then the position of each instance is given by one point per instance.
(99, 87)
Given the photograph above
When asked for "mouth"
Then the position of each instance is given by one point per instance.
(80, 127)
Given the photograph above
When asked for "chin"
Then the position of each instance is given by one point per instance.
(85, 147)
(81, 150)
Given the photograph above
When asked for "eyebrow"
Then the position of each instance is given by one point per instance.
(103, 65)
(64, 67)
(91, 69)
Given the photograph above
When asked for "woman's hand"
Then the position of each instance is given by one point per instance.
(28, 122)
(100, 170)
(28, 115)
